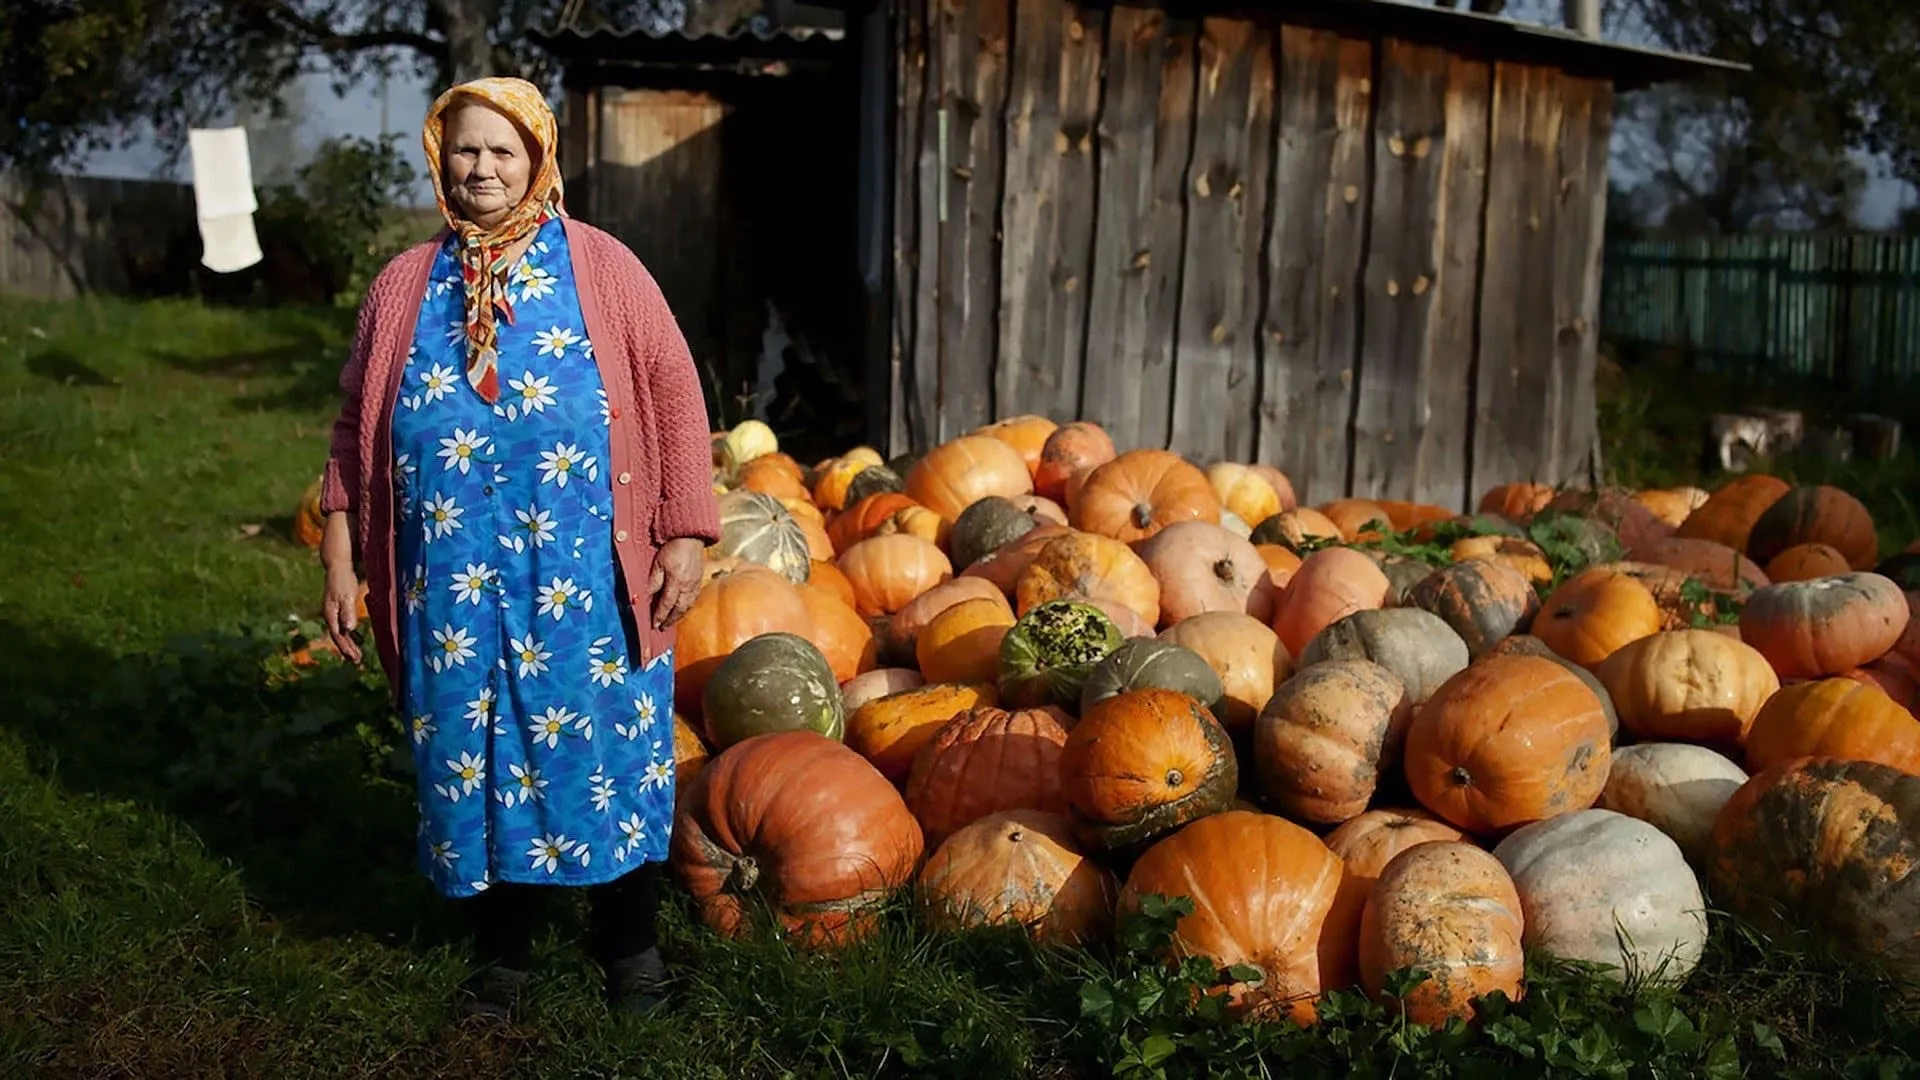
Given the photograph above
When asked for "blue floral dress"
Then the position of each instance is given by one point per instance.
(543, 756)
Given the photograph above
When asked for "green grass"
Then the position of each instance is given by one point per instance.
(206, 864)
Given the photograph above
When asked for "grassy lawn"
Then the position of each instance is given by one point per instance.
(206, 866)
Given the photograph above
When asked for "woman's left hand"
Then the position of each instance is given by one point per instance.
(676, 579)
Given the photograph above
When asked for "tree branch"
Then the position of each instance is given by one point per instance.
(321, 35)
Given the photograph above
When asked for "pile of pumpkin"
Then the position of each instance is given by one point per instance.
(1032, 680)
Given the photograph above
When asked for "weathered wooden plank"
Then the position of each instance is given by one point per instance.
(1226, 220)
(1444, 435)
(1145, 128)
(1313, 260)
(923, 383)
(973, 88)
(1402, 266)
(1053, 96)
(912, 296)
(1580, 230)
(1516, 397)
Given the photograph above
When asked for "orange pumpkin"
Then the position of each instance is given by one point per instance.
(1354, 516)
(1087, 566)
(797, 822)
(1266, 893)
(1483, 600)
(1027, 435)
(1511, 739)
(1515, 502)
(731, 610)
(1243, 492)
(1369, 842)
(1894, 676)
(1141, 492)
(1688, 686)
(1330, 585)
(1281, 565)
(1729, 515)
(987, 760)
(1244, 653)
(1043, 510)
(831, 484)
(918, 522)
(962, 643)
(1003, 567)
(1451, 910)
(900, 635)
(772, 478)
(1202, 567)
(1836, 718)
(890, 731)
(1282, 486)
(1022, 867)
(864, 518)
(1632, 523)
(1077, 447)
(957, 474)
(1716, 565)
(888, 572)
(1824, 626)
(690, 756)
(828, 577)
(1330, 732)
(843, 637)
(309, 524)
(1823, 515)
(1516, 553)
(1670, 506)
(1144, 762)
(1295, 528)
(1595, 612)
(1804, 562)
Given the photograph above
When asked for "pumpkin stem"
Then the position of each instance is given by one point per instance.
(1223, 569)
(744, 875)
(1460, 776)
(1142, 515)
(1175, 777)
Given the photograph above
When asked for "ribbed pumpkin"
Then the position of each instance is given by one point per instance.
(1141, 492)
(962, 643)
(1266, 893)
(775, 682)
(1528, 645)
(1729, 515)
(1145, 762)
(900, 634)
(890, 731)
(1804, 562)
(888, 572)
(1824, 626)
(876, 684)
(957, 474)
(1606, 889)
(843, 637)
(864, 518)
(1677, 788)
(1516, 553)
(1202, 567)
(1420, 649)
(918, 522)
(986, 527)
(986, 760)
(1076, 447)
(690, 756)
(1838, 718)
(1369, 842)
(1027, 434)
(1022, 867)
(1483, 601)
(1688, 686)
(1511, 739)
(1047, 655)
(1821, 514)
(733, 608)
(309, 524)
(1144, 662)
(1516, 501)
(801, 824)
(1247, 657)
(1330, 732)
(1449, 909)
(1085, 566)
(1293, 529)
(1827, 846)
(1330, 584)
(1244, 492)
(772, 477)
(1594, 613)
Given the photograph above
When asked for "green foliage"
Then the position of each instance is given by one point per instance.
(336, 216)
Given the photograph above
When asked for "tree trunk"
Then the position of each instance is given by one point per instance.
(469, 50)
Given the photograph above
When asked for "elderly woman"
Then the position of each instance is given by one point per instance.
(521, 464)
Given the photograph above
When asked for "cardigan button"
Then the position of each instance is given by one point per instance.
(626, 478)
(621, 536)
(613, 412)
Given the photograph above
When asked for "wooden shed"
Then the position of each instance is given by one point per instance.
(1356, 239)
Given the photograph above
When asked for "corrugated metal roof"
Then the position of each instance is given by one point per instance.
(685, 21)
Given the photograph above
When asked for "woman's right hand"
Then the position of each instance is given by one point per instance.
(339, 603)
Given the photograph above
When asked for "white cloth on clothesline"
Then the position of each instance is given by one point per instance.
(223, 198)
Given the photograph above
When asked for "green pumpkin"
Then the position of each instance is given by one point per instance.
(1142, 663)
(774, 682)
(986, 527)
(757, 528)
(1048, 655)
(873, 480)
(1574, 542)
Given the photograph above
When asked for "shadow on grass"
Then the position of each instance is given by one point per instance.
(62, 366)
(301, 371)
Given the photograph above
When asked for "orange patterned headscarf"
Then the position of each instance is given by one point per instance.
(483, 252)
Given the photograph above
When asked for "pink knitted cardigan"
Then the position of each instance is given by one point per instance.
(661, 460)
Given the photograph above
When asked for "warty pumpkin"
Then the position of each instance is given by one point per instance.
(1511, 739)
(957, 474)
(1451, 910)
(1677, 788)
(984, 761)
(1688, 686)
(1086, 566)
(1266, 893)
(1595, 612)
(1330, 732)
(1022, 867)
(1330, 584)
(1048, 653)
(890, 731)
(800, 823)
(732, 609)
(888, 572)
(1482, 600)
(1076, 447)
(1837, 718)
(1369, 842)
(1145, 762)
(1824, 626)
(1202, 567)
(1817, 514)
(1247, 656)
(1141, 492)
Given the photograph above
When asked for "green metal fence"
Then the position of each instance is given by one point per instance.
(1845, 307)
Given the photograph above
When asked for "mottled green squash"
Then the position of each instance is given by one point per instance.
(755, 527)
(985, 527)
(873, 480)
(1147, 662)
(1046, 658)
(774, 682)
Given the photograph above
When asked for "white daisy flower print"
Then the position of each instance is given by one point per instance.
(456, 331)
(602, 791)
(563, 462)
(535, 283)
(460, 449)
(469, 772)
(643, 714)
(470, 584)
(550, 725)
(403, 470)
(657, 774)
(531, 656)
(634, 829)
(547, 852)
(584, 726)
(480, 709)
(443, 516)
(538, 524)
(535, 392)
(528, 785)
(415, 591)
(604, 668)
(555, 342)
(452, 647)
(422, 728)
(438, 381)
(606, 410)
(561, 594)
(443, 854)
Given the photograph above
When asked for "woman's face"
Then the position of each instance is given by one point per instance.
(487, 164)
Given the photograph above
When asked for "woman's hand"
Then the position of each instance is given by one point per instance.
(342, 595)
(676, 579)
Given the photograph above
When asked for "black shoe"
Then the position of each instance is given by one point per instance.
(637, 985)
(493, 992)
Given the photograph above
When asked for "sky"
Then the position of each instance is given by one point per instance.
(407, 96)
